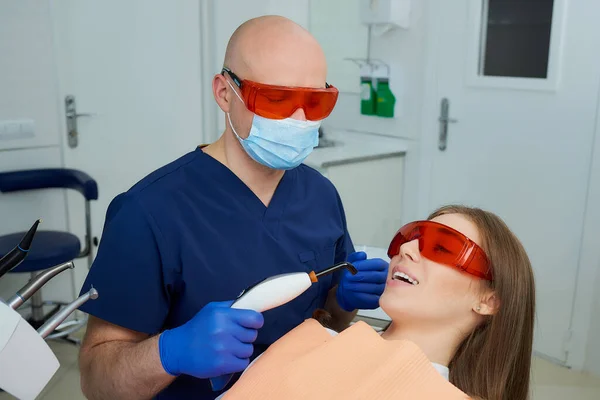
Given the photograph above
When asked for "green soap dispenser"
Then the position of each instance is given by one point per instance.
(368, 96)
(386, 101)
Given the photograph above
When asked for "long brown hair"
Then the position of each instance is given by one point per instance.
(493, 363)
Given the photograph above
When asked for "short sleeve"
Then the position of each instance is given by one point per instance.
(127, 271)
(344, 246)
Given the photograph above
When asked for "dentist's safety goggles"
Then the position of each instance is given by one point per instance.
(280, 102)
(444, 245)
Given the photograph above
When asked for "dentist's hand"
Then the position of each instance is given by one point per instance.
(217, 341)
(362, 291)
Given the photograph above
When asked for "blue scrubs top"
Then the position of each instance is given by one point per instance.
(192, 232)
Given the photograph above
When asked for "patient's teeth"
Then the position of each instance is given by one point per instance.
(398, 275)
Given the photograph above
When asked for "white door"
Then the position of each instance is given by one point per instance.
(135, 66)
(522, 81)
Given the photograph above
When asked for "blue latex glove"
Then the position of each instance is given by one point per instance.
(362, 291)
(217, 341)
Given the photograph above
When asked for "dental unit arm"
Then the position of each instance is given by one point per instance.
(274, 292)
(36, 283)
(26, 361)
(16, 256)
(63, 314)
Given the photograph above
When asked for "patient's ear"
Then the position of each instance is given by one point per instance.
(489, 304)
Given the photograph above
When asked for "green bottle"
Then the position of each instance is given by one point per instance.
(368, 96)
(385, 99)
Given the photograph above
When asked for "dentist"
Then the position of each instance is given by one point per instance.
(182, 243)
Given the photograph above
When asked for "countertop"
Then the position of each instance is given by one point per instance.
(353, 146)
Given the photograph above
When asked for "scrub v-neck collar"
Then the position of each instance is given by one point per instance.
(271, 214)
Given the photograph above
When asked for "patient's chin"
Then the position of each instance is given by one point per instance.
(397, 305)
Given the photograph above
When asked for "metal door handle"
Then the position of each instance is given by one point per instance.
(444, 119)
(72, 115)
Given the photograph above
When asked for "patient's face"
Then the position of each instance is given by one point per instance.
(444, 295)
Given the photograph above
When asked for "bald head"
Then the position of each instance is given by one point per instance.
(277, 51)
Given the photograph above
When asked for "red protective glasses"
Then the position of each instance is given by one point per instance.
(280, 102)
(444, 245)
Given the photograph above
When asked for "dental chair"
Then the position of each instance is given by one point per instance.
(50, 248)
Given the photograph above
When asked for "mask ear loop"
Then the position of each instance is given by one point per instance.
(235, 91)
(233, 129)
(229, 116)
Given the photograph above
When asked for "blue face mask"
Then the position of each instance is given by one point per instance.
(279, 143)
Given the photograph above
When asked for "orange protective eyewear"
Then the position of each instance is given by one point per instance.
(444, 245)
(280, 102)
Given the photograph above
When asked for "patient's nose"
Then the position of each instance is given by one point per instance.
(410, 250)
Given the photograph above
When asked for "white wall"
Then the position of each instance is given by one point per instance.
(586, 311)
(336, 25)
(28, 83)
(28, 89)
(592, 361)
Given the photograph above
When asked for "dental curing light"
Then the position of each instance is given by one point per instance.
(281, 289)
(274, 292)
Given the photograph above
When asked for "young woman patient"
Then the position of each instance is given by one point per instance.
(461, 288)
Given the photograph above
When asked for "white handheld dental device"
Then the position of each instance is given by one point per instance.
(274, 292)
(281, 289)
